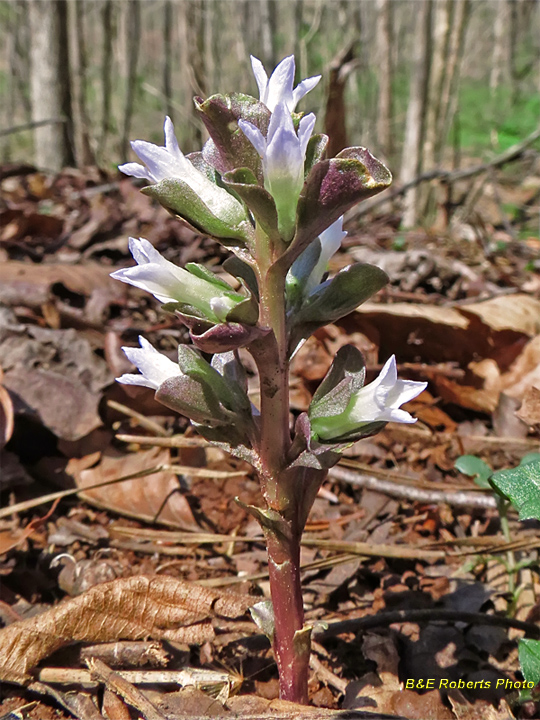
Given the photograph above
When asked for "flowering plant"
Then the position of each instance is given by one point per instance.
(263, 188)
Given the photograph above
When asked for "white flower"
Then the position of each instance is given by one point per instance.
(168, 162)
(279, 88)
(170, 283)
(283, 153)
(330, 240)
(154, 367)
(379, 401)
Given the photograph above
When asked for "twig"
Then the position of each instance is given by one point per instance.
(31, 125)
(35, 502)
(143, 421)
(447, 176)
(327, 675)
(384, 619)
(78, 704)
(458, 498)
(176, 441)
(113, 681)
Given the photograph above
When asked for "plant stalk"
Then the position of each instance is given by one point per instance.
(290, 642)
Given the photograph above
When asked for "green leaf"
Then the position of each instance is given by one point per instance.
(336, 298)
(476, 468)
(529, 659)
(346, 375)
(529, 458)
(218, 214)
(228, 147)
(521, 485)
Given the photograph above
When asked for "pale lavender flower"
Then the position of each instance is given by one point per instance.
(170, 283)
(330, 240)
(283, 153)
(168, 162)
(154, 367)
(279, 87)
(380, 401)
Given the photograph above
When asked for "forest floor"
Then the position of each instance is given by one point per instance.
(406, 573)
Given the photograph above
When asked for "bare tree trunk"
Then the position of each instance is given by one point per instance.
(500, 58)
(440, 34)
(450, 91)
(133, 42)
(77, 49)
(267, 10)
(50, 83)
(168, 21)
(195, 58)
(416, 110)
(106, 76)
(383, 43)
(335, 114)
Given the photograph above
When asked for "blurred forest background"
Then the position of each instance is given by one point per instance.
(423, 83)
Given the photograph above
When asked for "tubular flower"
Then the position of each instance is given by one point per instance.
(170, 283)
(154, 367)
(279, 87)
(379, 401)
(169, 163)
(283, 153)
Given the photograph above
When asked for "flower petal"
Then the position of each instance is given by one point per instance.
(136, 170)
(280, 86)
(261, 77)
(154, 367)
(254, 135)
(303, 88)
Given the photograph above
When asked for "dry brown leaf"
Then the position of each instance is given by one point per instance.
(491, 329)
(529, 411)
(141, 498)
(6, 413)
(524, 372)
(158, 607)
(60, 403)
(484, 398)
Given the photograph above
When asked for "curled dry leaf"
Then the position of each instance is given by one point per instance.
(158, 607)
(153, 498)
(6, 414)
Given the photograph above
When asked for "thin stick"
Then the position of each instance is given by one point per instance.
(384, 619)
(458, 499)
(141, 419)
(115, 682)
(176, 441)
(35, 502)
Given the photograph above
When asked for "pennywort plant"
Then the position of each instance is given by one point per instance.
(263, 188)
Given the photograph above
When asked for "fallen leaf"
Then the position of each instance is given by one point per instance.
(6, 414)
(59, 403)
(529, 411)
(158, 607)
(154, 498)
(460, 333)
(484, 398)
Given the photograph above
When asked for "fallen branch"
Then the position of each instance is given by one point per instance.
(447, 176)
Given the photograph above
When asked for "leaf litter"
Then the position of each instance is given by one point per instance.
(96, 568)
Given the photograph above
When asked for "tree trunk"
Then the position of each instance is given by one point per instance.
(383, 43)
(168, 21)
(335, 112)
(133, 9)
(416, 110)
(500, 57)
(49, 82)
(106, 76)
(196, 60)
(450, 91)
(78, 60)
(440, 34)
